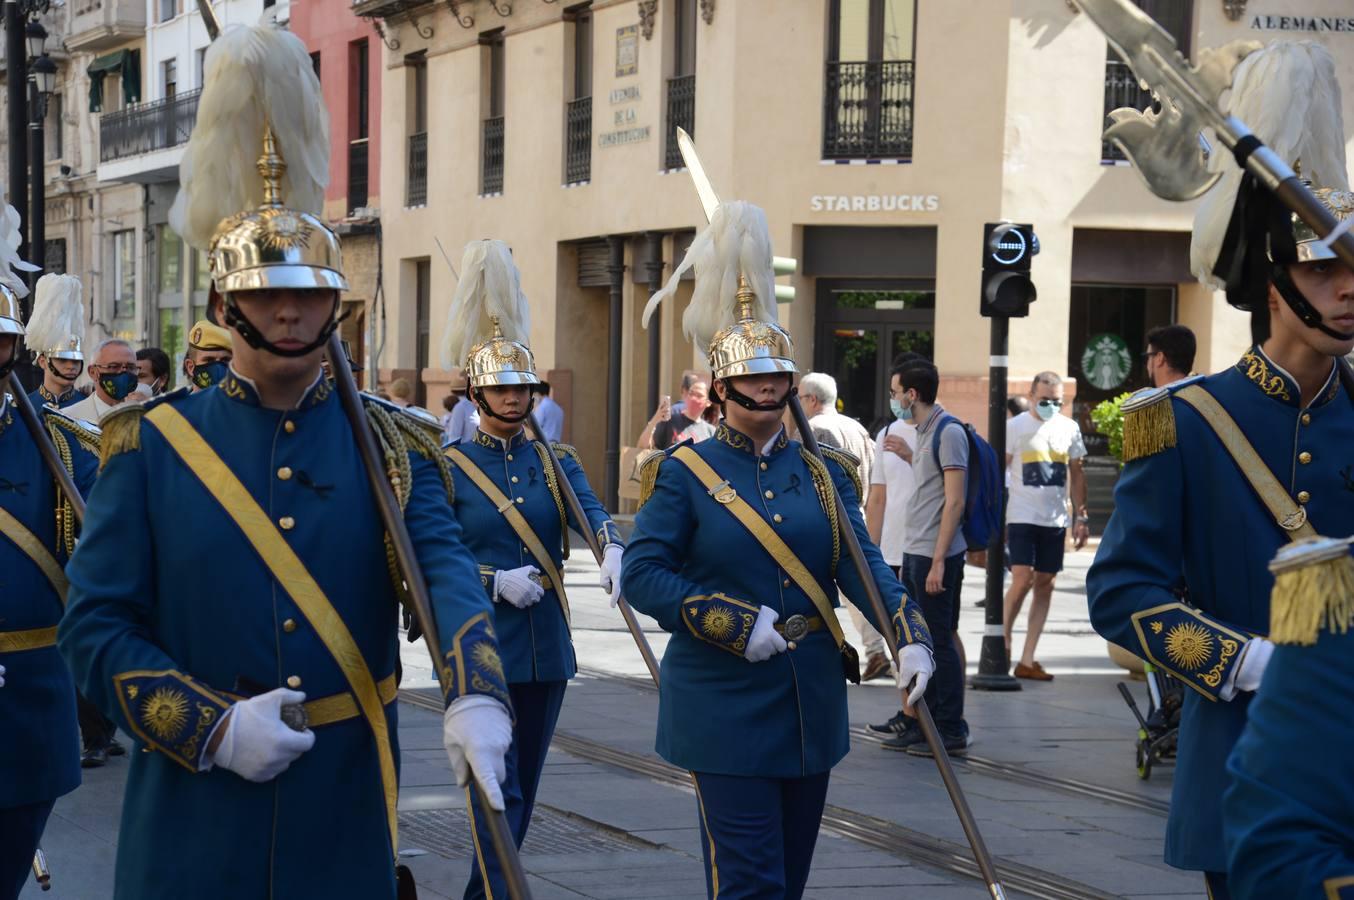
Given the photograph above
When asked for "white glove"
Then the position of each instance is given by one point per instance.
(1252, 666)
(611, 572)
(257, 745)
(516, 586)
(2, 676)
(477, 732)
(764, 642)
(915, 661)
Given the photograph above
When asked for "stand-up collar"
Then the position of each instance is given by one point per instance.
(238, 387)
(739, 441)
(498, 444)
(1275, 382)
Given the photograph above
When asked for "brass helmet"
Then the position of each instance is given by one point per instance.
(273, 246)
(732, 316)
(1310, 245)
(489, 320)
(11, 313)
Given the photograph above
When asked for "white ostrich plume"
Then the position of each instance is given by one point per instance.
(1288, 95)
(736, 241)
(58, 313)
(10, 239)
(254, 77)
(490, 288)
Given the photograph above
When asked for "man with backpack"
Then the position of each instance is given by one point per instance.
(934, 545)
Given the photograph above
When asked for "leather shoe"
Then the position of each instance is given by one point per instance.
(94, 757)
(116, 748)
(1033, 672)
(876, 666)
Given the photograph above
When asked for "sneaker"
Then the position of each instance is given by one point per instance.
(955, 745)
(1033, 672)
(906, 739)
(876, 666)
(897, 725)
(116, 748)
(94, 757)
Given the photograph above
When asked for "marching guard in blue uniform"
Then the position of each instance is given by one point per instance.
(56, 330)
(515, 523)
(252, 656)
(1289, 812)
(1222, 471)
(736, 552)
(40, 752)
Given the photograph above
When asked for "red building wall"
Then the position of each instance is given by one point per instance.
(330, 29)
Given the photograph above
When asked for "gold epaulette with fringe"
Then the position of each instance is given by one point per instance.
(120, 431)
(648, 476)
(1313, 591)
(569, 450)
(86, 434)
(1149, 423)
(847, 461)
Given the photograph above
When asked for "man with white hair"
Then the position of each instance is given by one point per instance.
(818, 394)
(115, 377)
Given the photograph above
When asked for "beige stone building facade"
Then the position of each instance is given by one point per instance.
(879, 135)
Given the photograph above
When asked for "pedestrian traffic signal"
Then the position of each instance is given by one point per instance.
(1007, 251)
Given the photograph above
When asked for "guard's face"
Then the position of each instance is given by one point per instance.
(68, 369)
(7, 342)
(1329, 286)
(508, 400)
(764, 390)
(289, 320)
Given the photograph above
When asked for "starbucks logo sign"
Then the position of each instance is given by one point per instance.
(1106, 361)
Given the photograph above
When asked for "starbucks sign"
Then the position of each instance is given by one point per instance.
(1106, 361)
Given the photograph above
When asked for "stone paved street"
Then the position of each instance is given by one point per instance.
(1051, 781)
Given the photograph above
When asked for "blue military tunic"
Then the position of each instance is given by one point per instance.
(43, 397)
(40, 751)
(172, 610)
(1187, 517)
(703, 577)
(534, 642)
(1289, 811)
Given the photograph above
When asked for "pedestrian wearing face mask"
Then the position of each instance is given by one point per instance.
(1044, 455)
(209, 355)
(115, 377)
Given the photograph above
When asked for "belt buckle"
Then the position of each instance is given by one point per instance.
(295, 717)
(535, 579)
(795, 627)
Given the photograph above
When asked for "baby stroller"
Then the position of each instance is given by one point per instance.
(1159, 730)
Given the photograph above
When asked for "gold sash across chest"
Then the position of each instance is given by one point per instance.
(35, 550)
(516, 520)
(291, 573)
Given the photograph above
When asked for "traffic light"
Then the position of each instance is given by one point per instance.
(1007, 251)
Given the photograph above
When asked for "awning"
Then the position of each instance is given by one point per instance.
(124, 63)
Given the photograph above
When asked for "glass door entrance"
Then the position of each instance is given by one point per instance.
(862, 326)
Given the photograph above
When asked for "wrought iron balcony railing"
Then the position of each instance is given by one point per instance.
(867, 110)
(416, 173)
(578, 141)
(1122, 88)
(681, 114)
(147, 127)
(491, 157)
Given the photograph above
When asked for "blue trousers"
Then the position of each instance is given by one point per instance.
(20, 829)
(945, 693)
(757, 834)
(536, 705)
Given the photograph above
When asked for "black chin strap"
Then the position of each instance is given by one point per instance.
(254, 338)
(1301, 306)
(71, 380)
(743, 400)
(478, 394)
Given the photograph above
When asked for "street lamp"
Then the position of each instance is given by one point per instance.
(43, 74)
(36, 37)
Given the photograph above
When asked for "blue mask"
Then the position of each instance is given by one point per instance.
(207, 375)
(1045, 411)
(899, 411)
(118, 386)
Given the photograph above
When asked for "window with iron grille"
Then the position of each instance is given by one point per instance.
(1122, 88)
(124, 274)
(578, 111)
(491, 135)
(359, 83)
(868, 79)
(680, 111)
(416, 163)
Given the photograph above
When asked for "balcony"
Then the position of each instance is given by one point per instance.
(868, 110)
(681, 114)
(97, 25)
(416, 174)
(491, 157)
(1122, 89)
(143, 143)
(357, 173)
(578, 141)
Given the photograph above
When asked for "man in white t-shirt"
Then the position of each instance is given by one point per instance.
(885, 515)
(1044, 453)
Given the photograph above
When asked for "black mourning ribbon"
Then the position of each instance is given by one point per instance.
(17, 487)
(793, 487)
(321, 490)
